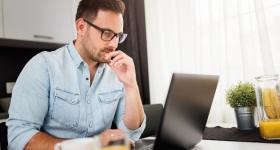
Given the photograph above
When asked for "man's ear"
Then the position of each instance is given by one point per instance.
(80, 27)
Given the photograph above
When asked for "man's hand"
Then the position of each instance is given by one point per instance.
(124, 68)
(113, 135)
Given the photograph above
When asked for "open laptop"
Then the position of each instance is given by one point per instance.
(185, 113)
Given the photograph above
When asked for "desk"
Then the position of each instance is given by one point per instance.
(228, 145)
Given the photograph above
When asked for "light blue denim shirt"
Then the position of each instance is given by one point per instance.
(53, 94)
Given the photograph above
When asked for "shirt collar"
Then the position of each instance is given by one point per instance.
(77, 59)
(102, 66)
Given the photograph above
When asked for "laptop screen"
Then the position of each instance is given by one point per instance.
(186, 110)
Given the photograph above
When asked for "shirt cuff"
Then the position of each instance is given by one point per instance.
(133, 134)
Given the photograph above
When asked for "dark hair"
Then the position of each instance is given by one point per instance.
(89, 8)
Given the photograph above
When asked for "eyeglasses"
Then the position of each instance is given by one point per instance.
(107, 34)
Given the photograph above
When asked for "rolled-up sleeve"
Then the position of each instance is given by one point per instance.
(133, 134)
(29, 103)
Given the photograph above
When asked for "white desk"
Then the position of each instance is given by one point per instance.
(228, 145)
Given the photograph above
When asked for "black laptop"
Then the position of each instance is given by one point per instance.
(185, 114)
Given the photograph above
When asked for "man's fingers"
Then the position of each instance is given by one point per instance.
(116, 59)
(111, 55)
(121, 62)
(116, 134)
(131, 143)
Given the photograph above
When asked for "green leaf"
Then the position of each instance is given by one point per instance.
(241, 95)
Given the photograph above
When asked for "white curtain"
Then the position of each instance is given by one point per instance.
(236, 39)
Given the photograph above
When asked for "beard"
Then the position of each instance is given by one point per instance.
(100, 55)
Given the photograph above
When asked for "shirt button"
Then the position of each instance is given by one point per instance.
(90, 124)
(86, 78)
(75, 124)
(88, 101)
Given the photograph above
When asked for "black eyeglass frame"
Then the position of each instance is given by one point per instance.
(121, 36)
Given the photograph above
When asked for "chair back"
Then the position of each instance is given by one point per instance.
(153, 114)
(3, 137)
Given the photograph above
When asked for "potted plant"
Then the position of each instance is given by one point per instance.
(242, 98)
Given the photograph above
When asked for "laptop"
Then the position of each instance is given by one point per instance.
(185, 113)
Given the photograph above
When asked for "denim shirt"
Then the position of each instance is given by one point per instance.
(53, 94)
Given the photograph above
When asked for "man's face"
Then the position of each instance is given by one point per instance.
(96, 48)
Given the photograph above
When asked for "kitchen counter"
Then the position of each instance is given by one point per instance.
(3, 120)
(4, 115)
(4, 107)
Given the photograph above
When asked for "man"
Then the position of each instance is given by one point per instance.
(79, 89)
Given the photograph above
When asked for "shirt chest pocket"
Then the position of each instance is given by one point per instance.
(66, 108)
(109, 103)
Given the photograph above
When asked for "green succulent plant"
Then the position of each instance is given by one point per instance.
(241, 95)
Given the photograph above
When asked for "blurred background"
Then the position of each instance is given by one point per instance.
(236, 39)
